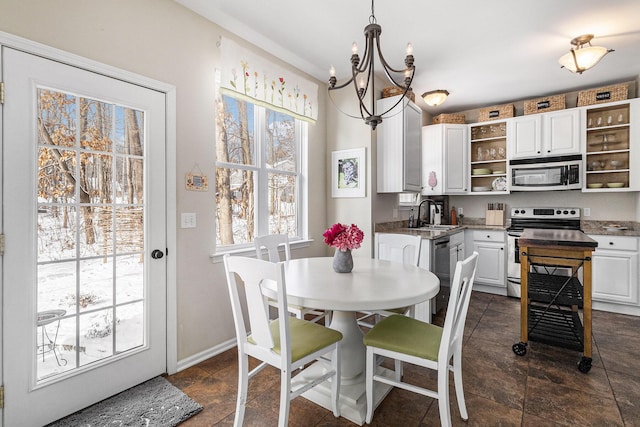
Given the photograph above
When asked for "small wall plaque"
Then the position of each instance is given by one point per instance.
(197, 182)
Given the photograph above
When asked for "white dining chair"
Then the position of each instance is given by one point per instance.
(286, 343)
(405, 339)
(271, 243)
(401, 248)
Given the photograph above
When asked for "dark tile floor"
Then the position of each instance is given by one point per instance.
(543, 388)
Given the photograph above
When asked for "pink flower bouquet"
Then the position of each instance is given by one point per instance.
(343, 237)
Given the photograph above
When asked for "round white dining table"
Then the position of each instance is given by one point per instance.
(371, 285)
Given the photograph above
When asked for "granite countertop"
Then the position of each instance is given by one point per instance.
(611, 228)
(608, 228)
(402, 227)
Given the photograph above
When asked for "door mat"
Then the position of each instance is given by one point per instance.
(153, 403)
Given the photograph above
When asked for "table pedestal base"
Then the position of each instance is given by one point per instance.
(353, 399)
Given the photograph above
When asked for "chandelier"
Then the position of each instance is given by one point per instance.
(362, 73)
(583, 56)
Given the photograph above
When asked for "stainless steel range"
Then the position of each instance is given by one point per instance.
(521, 218)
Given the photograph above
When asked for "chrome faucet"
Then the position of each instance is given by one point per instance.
(418, 222)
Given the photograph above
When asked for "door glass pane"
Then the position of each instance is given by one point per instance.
(90, 232)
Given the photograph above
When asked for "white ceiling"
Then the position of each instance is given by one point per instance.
(484, 52)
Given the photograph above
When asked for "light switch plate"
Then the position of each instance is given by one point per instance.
(188, 220)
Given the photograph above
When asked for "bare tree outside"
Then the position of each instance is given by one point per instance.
(239, 179)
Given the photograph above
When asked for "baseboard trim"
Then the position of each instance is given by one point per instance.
(205, 354)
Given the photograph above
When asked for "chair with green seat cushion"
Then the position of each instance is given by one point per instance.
(406, 339)
(286, 343)
(396, 248)
(272, 243)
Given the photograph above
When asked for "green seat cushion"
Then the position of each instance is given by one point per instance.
(306, 337)
(406, 335)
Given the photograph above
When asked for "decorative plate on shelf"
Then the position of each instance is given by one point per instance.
(481, 171)
(499, 184)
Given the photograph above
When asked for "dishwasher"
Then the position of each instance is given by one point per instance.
(441, 267)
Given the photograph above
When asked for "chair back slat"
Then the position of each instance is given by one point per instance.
(271, 243)
(461, 287)
(254, 274)
(398, 248)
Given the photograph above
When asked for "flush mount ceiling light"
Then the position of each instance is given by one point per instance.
(362, 75)
(583, 56)
(435, 97)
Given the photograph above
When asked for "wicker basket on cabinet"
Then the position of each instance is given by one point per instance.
(544, 104)
(496, 112)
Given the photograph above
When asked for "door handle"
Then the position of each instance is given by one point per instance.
(157, 254)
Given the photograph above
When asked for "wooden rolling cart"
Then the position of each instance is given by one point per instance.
(550, 303)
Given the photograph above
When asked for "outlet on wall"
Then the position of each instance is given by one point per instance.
(586, 211)
(460, 211)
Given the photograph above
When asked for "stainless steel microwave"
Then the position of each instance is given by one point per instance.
(546, 173)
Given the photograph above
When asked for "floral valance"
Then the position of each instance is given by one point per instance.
(250, 76)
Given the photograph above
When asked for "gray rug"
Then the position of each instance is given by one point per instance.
(153, 403)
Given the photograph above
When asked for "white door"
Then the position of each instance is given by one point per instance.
(84, 304)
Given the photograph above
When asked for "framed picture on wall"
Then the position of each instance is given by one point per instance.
(348, 173)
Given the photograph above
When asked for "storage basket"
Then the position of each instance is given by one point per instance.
(449, 118)
(496, 112)
(547, 103)
(603, 94)
(390, 91)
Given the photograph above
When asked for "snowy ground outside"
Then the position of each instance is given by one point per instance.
(98, 335)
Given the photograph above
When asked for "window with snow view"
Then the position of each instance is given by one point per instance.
(258, 172)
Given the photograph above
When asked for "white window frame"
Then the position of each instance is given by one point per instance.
(261, 173)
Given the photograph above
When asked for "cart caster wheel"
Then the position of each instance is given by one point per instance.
(584, 365)
(520, 348)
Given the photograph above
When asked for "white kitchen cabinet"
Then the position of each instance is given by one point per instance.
(556, 133)
(526, 136)
(492, 256)
(444, 159)
(615, 269)
(399, 147)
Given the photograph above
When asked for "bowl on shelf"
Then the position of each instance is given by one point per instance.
(595, 185)
(481, 188)
(615, 184)
(616, 164)
(481, 171)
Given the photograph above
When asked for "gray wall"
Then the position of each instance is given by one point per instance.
(162, 40)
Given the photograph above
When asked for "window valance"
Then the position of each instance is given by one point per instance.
(258, 80)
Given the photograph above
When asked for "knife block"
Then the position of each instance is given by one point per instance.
(494, 217)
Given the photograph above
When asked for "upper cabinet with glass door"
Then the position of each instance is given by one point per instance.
(611, 163)
(489, 157)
